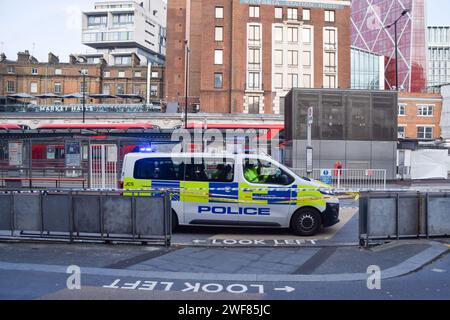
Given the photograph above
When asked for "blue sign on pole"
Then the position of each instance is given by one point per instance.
(325, 176)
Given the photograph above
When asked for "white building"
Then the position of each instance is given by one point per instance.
(119, 28)
(445, 115)
(438, 55)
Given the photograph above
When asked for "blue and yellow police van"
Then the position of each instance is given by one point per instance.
(236, 190)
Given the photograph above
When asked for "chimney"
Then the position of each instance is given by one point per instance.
(23, 57)
(52, 59)
(135, 61)
(2, 57)
(73, 59)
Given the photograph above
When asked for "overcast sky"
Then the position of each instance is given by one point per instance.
(55, 25)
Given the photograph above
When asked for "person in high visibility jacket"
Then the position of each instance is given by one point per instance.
(251, 174)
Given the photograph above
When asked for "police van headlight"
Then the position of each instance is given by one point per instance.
(327, 192)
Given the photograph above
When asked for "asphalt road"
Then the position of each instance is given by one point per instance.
(431, 282)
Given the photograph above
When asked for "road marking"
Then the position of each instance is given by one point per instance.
(255, 242)
(438, 270)
(194, 287)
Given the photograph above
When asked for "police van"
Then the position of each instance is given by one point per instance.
(238, 190)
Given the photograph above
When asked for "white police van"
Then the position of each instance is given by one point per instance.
(233, 190)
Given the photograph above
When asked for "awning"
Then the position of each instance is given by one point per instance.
(48, 96)
(102, 96)
(22, 95)
(130, 96)
(73, 96)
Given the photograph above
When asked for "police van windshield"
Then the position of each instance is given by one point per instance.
(265, 172)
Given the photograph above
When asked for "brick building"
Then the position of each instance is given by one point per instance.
(244, 55)
(419, 115)
(28, 75)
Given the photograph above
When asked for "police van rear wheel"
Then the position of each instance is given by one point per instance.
(306, 222)
(175, 222)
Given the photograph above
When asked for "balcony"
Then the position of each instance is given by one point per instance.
(101, 38)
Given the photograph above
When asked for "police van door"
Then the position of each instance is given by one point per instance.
(210, 192)
(265, 193)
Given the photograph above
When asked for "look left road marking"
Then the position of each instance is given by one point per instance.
(235, 288)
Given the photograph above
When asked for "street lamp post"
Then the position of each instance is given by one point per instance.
(404, 12)
(83, 73)
(187, 84)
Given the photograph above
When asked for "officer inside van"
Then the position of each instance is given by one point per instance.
(252, 173)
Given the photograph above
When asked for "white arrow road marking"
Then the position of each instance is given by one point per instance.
(199, 241)
(438, 270)
(287, 289)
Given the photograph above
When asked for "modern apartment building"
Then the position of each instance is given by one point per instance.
(438, 55)
(244, 55)
(419, 115)
(369, 21)
(28, 75)
(116, 29)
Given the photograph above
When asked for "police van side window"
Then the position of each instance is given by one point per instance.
(264, 172)
(210, 170)
(158, 169)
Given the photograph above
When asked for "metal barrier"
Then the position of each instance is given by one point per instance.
(402, 215)
(86, 215)
(354, 179)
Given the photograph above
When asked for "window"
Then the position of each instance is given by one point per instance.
(210, 170)
(306, 81)
(154, 90)
(254, 58)
(307, 58)
(138, 74)
(155, 74)
(159, 169)
(218, 34)
(253, 104)
(330, 82)
(253, 80)
(278, 13)
(121, 74)
(401, 109)
(330, 37)
(10, 87)
(97, 21)
(218, 80)
(306, 35)
(306, 14)
(58, 72)
(11, 70)
(293, 58)
(278, 81)
(292, 14)
(122, 19)
(106, 89)
(57, 88)
(278, 57)
(279, 34)
(254, 12)
(401, 132)
(120, 88)
(425, 111)
(33, 87)
(330, 62)
(254, 33)
(265, 172)
(292, 34)
(34, 71)
(107, 74)
(424, 132)
(293, 80)
(137, 89)
(218, 56)
(329, 16)
(122, 60)
(219, 12)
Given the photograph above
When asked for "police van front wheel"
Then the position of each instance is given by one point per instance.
(306, 222)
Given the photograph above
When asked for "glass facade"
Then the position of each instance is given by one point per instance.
(369, 33)
(438, 55)
(366, 70)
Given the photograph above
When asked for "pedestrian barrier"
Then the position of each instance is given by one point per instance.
(385, 216)
(86, 215)
(355, 179)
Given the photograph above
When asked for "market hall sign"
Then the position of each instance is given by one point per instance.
(304, 4)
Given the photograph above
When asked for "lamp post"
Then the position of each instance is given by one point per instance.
(187, 84)
(404, 12)
(83, 73)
